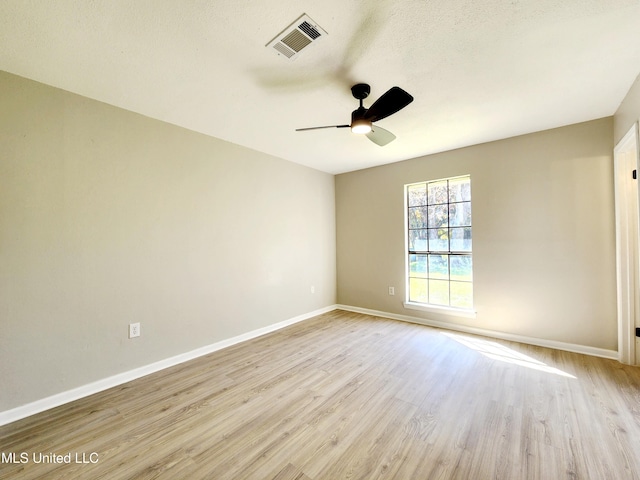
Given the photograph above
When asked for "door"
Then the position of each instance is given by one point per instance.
(627, 239)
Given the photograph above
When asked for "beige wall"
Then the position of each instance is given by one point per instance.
(628, 112)
(543, 234)
(108, 217)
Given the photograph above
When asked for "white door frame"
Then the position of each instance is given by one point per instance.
(625, 159)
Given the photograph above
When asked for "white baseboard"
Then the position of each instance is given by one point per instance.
(9, 416)
(540, 342)
(56, 400)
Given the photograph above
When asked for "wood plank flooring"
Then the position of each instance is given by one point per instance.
(350, 396)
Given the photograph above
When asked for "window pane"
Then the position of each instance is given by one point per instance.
(439, 292)
(418, 240)
(438, 239)
(461, 239)
(461, 267)
(438, 192)
(460, 214)
(417, 194)
(438, 216)
(439, 236)
(418, 266)
(418, 217)
(418, 290)
(462, 294)
(439, 266)
(460, 190)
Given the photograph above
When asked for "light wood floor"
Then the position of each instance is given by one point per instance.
(349, 396)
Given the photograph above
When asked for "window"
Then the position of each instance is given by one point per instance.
(439, 264)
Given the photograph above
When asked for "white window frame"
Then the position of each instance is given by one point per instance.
(426, 307)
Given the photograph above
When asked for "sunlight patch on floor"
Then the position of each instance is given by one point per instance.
(502, 353)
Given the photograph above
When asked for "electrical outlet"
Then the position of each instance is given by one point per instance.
(134, 330)
(392, 291)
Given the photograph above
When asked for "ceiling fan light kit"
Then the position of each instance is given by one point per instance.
(361, 127)
(359, 124)
(392, 101)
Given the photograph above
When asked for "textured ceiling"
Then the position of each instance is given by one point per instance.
(479, 70)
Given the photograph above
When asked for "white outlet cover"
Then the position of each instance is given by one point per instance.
(134, 330)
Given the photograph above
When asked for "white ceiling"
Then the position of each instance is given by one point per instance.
(479, 70)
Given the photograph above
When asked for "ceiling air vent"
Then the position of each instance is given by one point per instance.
(296, 37)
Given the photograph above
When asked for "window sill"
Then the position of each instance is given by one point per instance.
(454, 312)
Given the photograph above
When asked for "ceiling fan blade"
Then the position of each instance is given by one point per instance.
(318, 128)
(380, 136)
(390, 102)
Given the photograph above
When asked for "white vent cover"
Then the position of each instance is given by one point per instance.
(296, 37)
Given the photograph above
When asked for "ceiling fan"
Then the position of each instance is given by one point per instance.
(392, 101)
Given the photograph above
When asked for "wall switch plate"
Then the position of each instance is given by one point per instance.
(134, 330)
(313, 289)
(392, 291)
